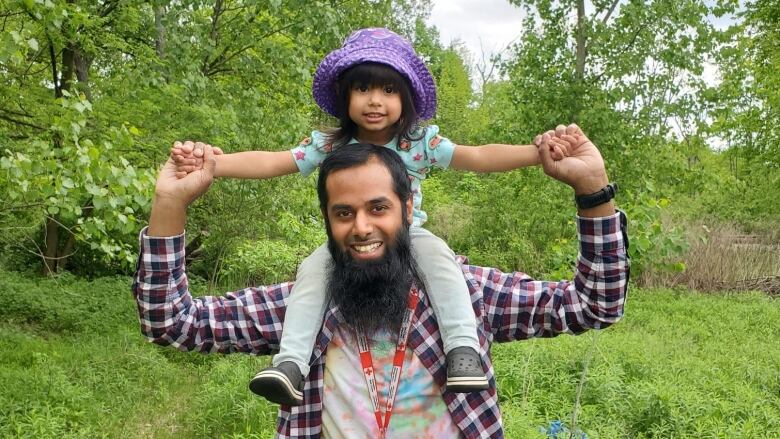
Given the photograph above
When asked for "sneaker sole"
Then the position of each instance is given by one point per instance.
(467, 384)
(275, 387)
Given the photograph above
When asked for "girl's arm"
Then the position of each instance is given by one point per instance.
(493, 157)
(248, 164)
(255, 164)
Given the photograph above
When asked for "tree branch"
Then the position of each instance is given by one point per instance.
(609, 13)
(11, 14)
(211, 68)
(109, 8)
(53, 58)
(628, 47)
(214, 36)
(15, 113)
(21, 122)
(221, 60)
(20, 207)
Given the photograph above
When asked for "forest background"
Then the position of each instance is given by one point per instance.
(93, 93)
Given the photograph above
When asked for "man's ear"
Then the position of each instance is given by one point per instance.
(409, 209)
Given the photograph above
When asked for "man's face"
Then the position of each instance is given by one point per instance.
(364, 213)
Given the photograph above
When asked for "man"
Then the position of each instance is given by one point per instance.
(376, 293)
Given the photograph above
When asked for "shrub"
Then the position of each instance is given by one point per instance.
(65, 303)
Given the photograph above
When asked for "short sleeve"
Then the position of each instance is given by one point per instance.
(311, 151)
(438, 149)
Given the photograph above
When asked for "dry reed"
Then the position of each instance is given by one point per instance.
(724, 257)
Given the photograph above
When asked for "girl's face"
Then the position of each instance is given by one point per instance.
(375, 110)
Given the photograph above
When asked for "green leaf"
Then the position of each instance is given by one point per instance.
(93, 189)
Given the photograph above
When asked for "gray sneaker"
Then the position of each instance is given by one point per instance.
(464, 371)
(282, 384)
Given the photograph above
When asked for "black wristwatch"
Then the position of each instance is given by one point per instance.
(592, 200)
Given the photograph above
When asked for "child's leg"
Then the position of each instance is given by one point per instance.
(446, 289)
(305, 310)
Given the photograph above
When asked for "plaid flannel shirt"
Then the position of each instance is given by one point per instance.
(508, 307)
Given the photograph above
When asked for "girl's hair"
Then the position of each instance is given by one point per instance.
(374, 74)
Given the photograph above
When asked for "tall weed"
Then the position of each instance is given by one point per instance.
(722, 256)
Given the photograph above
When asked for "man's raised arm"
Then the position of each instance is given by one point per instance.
(249, 320)
(519, 307)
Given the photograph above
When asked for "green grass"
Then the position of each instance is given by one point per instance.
(680, 364)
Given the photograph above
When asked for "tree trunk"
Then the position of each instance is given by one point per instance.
(82, 64)
(61, 85)
(52, 240)
(581, 41)
(581, 55)
(74, 63)
(159, 41)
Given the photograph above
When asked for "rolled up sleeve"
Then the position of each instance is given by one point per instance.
(248, 320)
(518, 307)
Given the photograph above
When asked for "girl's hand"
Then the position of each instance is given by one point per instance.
(188, 157)
(174, 191)
(564, 140)
(579, 165)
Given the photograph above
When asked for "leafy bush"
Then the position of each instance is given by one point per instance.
(65, 303)
(271, 260)
(261, 262)
(653, 245)
(86, 184)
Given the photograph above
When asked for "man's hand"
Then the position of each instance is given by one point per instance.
(172, 195)
(569, 156)
(186, 189)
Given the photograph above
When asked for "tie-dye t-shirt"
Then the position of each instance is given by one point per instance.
(419, 156)
(419, 410)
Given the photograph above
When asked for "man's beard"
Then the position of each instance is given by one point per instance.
(373, 294)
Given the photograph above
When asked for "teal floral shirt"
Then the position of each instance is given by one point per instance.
(419, 156)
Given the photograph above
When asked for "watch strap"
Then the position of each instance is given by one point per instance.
(597, 198)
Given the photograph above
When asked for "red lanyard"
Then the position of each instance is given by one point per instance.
(367, 362)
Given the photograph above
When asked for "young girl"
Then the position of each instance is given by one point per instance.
(380, 90)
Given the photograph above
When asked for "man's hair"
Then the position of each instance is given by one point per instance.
(353, 155)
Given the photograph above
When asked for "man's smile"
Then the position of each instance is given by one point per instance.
(366, 250)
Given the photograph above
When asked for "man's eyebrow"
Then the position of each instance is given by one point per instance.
(379, 200)
(340, 207)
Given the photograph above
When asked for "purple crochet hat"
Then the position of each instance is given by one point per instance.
(380, 46)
